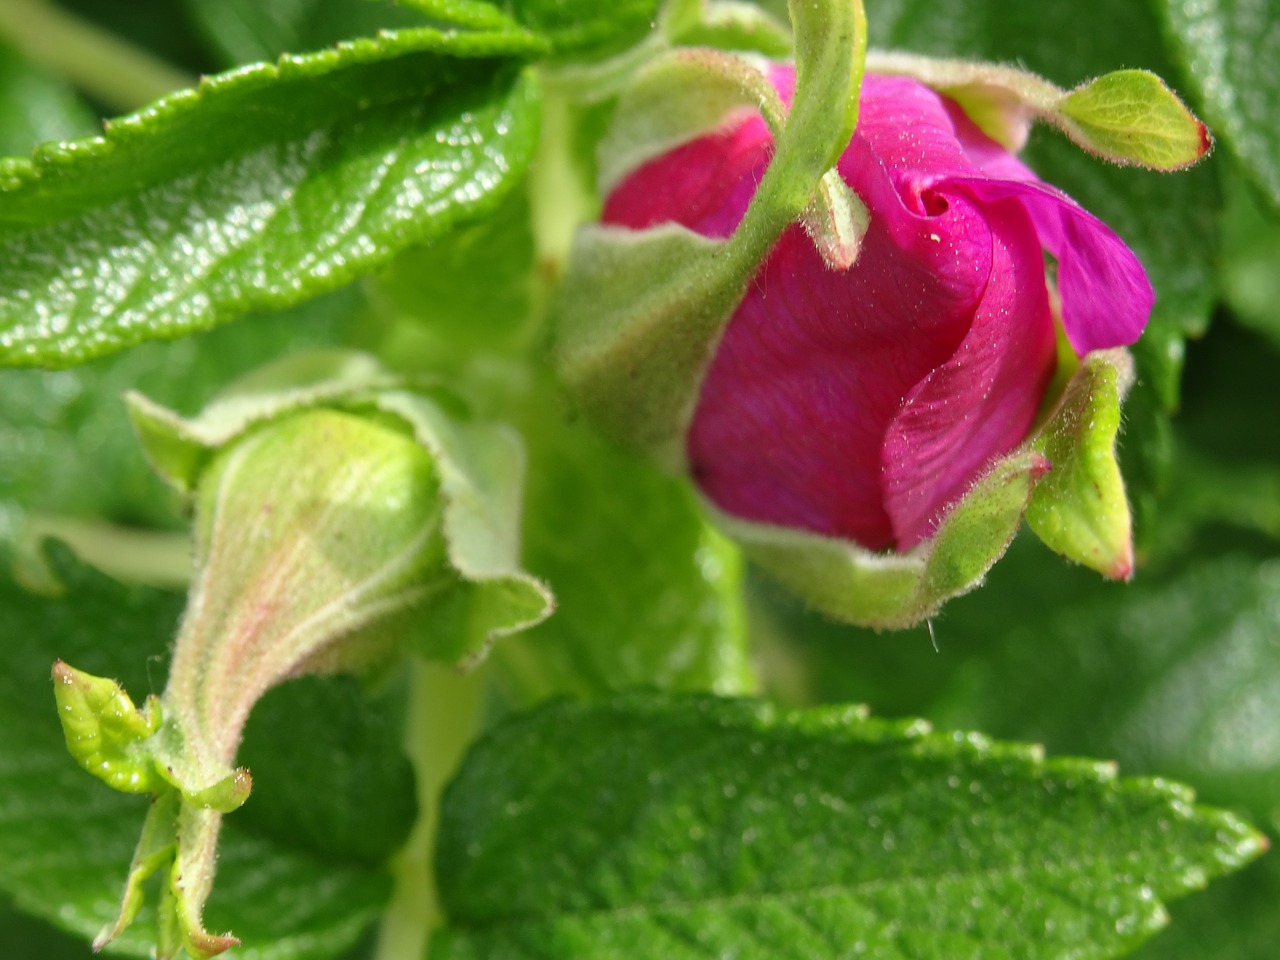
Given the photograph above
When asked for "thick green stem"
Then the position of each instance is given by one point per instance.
(120, 75)
(444, 717)
(149, 557)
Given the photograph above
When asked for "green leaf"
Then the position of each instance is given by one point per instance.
(1250, 252)
(696, 827)
(57, 429)
(631, 559)
(66, 839)
(1229, 48)
(168, 225)
(25, 936)
(576, 29)
(1178, 675)
(249, 31)
(1131, 116)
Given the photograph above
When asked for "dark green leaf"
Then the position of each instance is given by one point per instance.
(66, 839)
(58, 429)
(359, 760)
(338, 159)
(35, 107)
(1230, 49)
(248, 31)
(1250, 252)
(156, 26)
(1177, 676)
(25, 936)
(696, 827)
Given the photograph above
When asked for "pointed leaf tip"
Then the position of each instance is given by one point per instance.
(1132, 117)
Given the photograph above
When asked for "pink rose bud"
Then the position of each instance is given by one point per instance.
(861, 404)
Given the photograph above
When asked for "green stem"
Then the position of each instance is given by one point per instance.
(151, 557)
(119, 74)
(444, 716)
(557, 197)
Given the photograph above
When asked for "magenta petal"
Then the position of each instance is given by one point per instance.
(705, 185)
(980, 403)
(1106, 296)
(909, 127)
(991, 158)
(814, 364)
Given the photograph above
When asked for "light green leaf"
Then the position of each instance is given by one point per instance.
(166, 225)
(695, 827)
(66, 839)
(1131, 116)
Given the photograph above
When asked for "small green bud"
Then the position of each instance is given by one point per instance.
(309, 532)
(104, 730)
(340, 518)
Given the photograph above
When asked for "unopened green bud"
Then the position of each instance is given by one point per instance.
(309, 533)
(340, 517)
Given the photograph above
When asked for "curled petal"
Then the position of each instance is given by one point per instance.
(815, 363)
(1106, 296)
(705, 185)
(981, 402)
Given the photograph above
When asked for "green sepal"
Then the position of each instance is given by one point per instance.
(1080, 509)
(640, 312)
(896, 590)
(1132, 117)
(105, 732)
(1129, 117)
(481, 469)
(155, 850)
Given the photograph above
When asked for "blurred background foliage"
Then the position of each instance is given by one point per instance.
(1177, 674)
